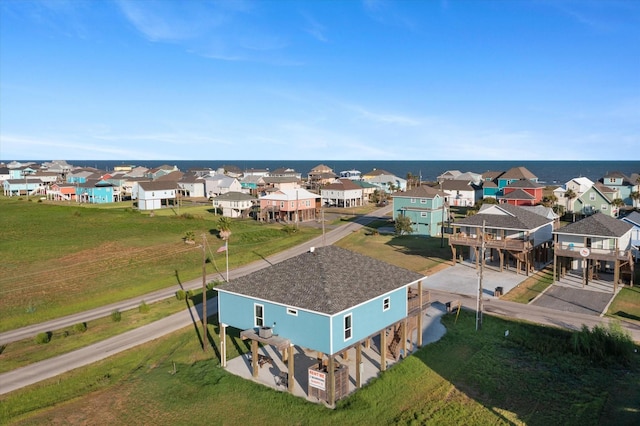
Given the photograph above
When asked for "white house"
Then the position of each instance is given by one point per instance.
(634, 219)
(578, 185)
(191, 186)
(342, 193)
(155, 195)
(234, 204)
(385, 180)
(460, 193)
(221, 184)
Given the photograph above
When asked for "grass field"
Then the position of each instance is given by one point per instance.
(62, 259)
(468, 377)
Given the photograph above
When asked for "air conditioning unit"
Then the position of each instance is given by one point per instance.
(265, 332)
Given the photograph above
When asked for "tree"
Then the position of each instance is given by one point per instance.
(403, 225)
(224, 228)
(378, 196)
(549, 200)
(617, 203)
(392, 187)
(635, 196)
(570, 195)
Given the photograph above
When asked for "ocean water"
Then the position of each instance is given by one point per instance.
(549, 172)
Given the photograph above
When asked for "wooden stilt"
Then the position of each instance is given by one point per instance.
(254, 357)
(358, 365)
(291, 370)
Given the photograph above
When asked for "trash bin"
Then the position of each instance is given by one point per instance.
(448, 306)
(498, 292)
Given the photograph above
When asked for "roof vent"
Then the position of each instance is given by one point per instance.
(312, 249)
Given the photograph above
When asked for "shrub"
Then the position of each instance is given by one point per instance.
(189, 294)
(212, 284)
(44, 337)
(80, 327)
(180, 295)
(144, 308)
(116, 316)
(602, 344)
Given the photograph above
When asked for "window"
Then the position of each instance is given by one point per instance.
(347, 327)
(423, 201)
(423, 214)
(259, 315)
(413, 201)
(292, 311)
(282, 204)
(592, 197)
(603, 207)
(386, 304)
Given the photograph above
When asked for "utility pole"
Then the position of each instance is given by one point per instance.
(479, 307)
(442, 219)
(204, 293)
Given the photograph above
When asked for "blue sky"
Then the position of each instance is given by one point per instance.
(333, 80)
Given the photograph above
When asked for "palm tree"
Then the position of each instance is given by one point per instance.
(570, 194)
(224, 228)
(635, 196)
(617, 202)
(549, 200)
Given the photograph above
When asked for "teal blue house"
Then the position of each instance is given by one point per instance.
(622, 183)
(494, 182)
(425, 206)
(328, 300)
(95, 192)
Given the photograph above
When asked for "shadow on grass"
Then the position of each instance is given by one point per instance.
(529, 373)
(421, 246)
(623, 314)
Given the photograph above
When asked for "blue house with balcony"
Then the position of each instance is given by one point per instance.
(95, 192)
(425, 206)
(328, 300)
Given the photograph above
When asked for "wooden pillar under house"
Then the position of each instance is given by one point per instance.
(291, 369)
(404, 337)
(501, 257)
(383, 350)
(616, 274)
(453, 251)
(254, 357)
(223, 345)
(421, 301)
(332, 381)
(358, 364)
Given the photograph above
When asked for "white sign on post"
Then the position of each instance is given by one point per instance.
(317, 379)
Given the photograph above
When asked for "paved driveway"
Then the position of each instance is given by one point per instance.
(570, 295)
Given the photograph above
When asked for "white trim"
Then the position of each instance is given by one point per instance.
(292, 311)
(255, 315)
(386, 303)
(344, 326)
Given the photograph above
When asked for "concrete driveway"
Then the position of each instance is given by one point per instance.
(463, 279)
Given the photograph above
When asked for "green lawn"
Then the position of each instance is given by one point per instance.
(62, 259)
(468, 377)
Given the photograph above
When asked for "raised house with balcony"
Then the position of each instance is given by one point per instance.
(595, 244)
(512, 236)
(289, 205)
(329, 301)
(425, 207)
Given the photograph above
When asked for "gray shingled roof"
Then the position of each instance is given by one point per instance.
(329, 280)
(518, 173)
(518, 194)
(633, 217)
(235, 196)
(342, 185)
(524, 183)
(158, 185)
(597, 225)
(519, 218)
(422, 191)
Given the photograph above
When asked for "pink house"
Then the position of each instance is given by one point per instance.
(61, 192)
(289, 205)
